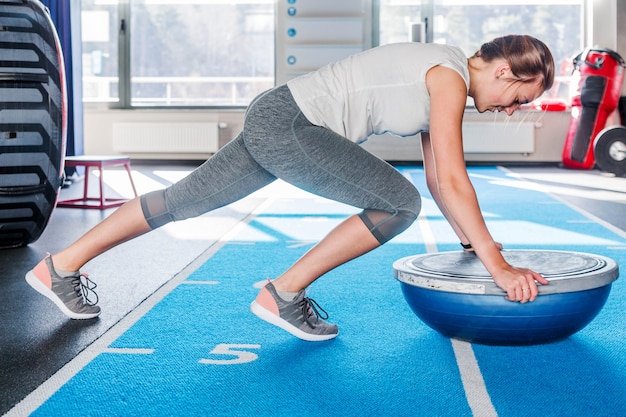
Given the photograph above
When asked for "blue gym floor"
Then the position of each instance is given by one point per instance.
(185, 343)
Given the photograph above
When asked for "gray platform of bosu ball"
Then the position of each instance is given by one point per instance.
(453, 293)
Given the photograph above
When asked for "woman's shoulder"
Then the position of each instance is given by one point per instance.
(414, 55)
(422, 48)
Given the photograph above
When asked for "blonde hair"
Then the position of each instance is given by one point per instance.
(530, 59)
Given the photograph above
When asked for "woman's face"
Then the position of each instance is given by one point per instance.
(504, 93)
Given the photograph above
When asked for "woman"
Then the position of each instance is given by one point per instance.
(307, 133)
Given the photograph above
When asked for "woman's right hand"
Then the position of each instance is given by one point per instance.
(471, 249)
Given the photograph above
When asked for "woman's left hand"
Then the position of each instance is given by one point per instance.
(520, 284)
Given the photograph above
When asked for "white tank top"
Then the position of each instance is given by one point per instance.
(376, 91)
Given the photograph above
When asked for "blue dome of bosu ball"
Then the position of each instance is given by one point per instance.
(453, 293)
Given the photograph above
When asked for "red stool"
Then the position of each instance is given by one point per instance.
(98, 162)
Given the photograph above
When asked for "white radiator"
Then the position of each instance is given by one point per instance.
(165, 137)
(499, 137)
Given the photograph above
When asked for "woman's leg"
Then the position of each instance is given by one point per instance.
(322, 162)
(347, 241)
(228, 176)
(122, 225)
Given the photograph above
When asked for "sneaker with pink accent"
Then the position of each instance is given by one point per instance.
(302, 317)
(74, 295)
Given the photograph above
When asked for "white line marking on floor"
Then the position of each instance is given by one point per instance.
(425, 230)
(473, 383)
(129, 351)
(585, 213)
(191, 282)
(427, 233)
(300, 243)
(36, 398)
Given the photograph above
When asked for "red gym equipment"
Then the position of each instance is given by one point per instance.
(600, 74)
(610, 145)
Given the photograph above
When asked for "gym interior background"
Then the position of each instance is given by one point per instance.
(127, 92)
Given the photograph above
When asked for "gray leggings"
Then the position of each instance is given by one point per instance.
(277, 141)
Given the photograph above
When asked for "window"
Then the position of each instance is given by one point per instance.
(180, 53)
(220, 53)
(467, 24)
(99, 24)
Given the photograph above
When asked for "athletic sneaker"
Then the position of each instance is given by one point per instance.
(74, 295)
(300, 317)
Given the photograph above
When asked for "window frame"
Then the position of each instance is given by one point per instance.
(124, 51)
(124, 34)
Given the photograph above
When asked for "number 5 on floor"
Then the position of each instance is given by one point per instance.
(240, 356)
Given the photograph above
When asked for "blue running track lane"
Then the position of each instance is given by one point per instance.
(194, 349)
